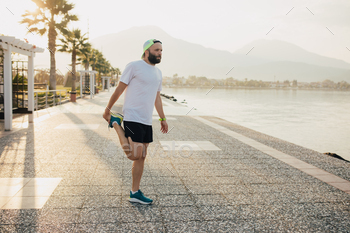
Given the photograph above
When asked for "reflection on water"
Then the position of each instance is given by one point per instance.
(318, 120)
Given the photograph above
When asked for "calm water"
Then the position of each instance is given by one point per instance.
(319, 120)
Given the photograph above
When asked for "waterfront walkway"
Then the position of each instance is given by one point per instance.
(66, 173)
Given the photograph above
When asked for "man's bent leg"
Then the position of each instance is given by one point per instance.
(124, 142)
(135, 151)
(137, 169)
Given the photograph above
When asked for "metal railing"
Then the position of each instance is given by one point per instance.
(49, 98)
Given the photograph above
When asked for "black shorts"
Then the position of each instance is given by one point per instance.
(138, 132)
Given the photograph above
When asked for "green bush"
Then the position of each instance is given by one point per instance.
(19, 79)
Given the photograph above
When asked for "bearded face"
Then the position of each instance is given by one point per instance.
(153, 59)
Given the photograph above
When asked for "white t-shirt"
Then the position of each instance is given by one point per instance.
(144, 81)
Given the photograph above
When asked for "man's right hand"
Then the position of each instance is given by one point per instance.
(107, 115)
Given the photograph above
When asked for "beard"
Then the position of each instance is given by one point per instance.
(153, 58)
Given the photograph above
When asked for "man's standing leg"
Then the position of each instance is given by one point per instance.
(137, 168)
(135, 194)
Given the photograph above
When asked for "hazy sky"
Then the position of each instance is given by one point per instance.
(220, 24)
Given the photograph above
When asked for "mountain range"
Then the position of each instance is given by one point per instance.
(265, 60)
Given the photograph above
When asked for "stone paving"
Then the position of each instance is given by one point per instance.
(223, 185)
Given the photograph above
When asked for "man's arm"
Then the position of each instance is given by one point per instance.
(115, 96)
(159, 107)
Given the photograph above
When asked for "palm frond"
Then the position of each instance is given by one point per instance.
(27, 21)
(64, 8)
(64, 31)
(39, 3)
(42, 31)
(66, 19)
(64, 48)
(27, 13)
(34, 29)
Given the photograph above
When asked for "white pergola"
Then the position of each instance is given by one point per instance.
(104, 78)
(12, 45)
(92, 82)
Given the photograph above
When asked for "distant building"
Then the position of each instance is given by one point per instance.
(316, 84)
(303, 84)
(272, 84)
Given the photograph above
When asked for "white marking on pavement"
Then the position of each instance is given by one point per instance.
(188, 145)
(26, 193)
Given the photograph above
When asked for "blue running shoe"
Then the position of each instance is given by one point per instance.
(140, 198)
(116, 118)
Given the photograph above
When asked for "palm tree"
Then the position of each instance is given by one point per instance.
(95, 58)
(50, 16)
(76, 43)
(115, 70)
(103, 68)
(98, 63)
(118, 72)
(84, 57)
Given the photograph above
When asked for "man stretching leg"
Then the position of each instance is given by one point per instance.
(143, 83)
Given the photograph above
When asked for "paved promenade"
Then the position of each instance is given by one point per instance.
(67, 173)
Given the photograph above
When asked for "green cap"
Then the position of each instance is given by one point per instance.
(148, 44)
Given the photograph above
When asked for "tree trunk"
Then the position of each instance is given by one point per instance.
(74, 57)
(52, 50)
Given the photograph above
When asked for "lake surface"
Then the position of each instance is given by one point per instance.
(315, 119)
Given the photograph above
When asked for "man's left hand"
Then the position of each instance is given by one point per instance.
(164, 127)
